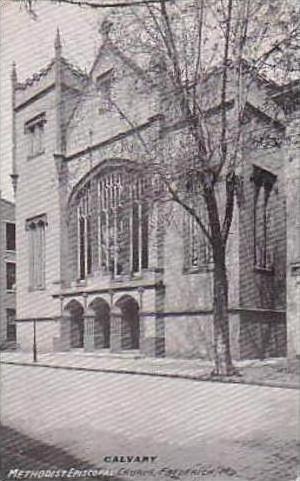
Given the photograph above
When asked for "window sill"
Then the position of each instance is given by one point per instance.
(126, 277)
(10, 251)
(264, 270)
(37, 154)
(123, 277)
(199, 269)
(10, 291)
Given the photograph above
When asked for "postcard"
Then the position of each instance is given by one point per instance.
(150, 240)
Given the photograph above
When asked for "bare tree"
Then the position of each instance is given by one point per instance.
(210, 94)
(206, 56)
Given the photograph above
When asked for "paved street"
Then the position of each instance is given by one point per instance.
(231, 431)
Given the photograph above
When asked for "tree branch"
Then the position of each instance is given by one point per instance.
(224, 84)
(230, 189)
(97, 5)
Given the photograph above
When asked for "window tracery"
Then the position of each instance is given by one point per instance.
(112, 216)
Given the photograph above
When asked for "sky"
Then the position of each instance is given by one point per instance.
(30, 43)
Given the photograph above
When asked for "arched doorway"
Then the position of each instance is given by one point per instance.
(75, 314)
(101, 323)
(130, 323)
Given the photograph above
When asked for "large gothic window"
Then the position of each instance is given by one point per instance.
(112, 224)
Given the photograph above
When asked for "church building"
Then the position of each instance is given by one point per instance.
(101, 264)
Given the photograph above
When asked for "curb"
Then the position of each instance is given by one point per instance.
(187, 377)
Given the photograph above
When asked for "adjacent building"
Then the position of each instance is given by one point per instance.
(288, 98)
(103, 266)
(7, 275)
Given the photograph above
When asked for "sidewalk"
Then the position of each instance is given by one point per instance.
(271, 372)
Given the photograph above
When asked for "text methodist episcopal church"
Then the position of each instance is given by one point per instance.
(99, 267)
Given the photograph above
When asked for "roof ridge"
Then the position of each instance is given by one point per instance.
(74, 68)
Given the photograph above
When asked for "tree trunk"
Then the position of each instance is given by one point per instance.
(223, 361)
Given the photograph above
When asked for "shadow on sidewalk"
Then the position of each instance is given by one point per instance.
(20, 454)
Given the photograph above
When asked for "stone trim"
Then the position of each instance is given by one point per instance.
(38, 95)
(39, 319)
(108, 290)
(36, 120)
(36, 220)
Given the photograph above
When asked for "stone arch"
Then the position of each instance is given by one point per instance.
(73, 312)
(101, 314)
(130, 322)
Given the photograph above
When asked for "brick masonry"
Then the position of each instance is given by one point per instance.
(7, 298)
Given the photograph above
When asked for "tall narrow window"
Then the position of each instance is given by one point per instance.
(85, 237)
(145, 234)
(82, 269)
(10, 275)
(36, 239)
(10, 236)
(262, 220)
(103, 85)
(11, 334)
(89, 245)
(34, 129)
(135, 237)
(197, 247)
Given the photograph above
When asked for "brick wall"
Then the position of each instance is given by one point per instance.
(7, 299)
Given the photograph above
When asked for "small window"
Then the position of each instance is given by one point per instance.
(34, 129)
(10, 236)
(11, 334)
(10, 275)
(103, 85)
